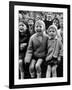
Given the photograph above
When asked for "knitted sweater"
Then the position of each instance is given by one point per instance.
(36, 48)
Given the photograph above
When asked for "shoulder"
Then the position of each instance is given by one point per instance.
(33, 36)
(45, 35)
(59, 41)
(59, 31)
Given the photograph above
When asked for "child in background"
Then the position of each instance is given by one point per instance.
(56, 22)
(36, 51)
(54, 52)
(48, 20)
(61, 32)
(31, 26)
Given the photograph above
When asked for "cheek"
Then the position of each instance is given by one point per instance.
(24, 28)
(35, 28)
(55, 33)
(42, 28)
(49, 33)
(20, 27)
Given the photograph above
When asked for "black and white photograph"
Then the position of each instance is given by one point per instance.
(40, 44)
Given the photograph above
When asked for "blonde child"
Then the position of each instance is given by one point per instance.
(36, 51)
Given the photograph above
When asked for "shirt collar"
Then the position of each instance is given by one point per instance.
(38, 35)
(54, 39)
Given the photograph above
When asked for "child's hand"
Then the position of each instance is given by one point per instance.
(26, 61)
(48, 58)
(27, 58)
(59, 59)
(23, 45)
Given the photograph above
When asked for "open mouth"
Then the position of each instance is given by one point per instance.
(21, 30)
(38, 30)
(52, 35)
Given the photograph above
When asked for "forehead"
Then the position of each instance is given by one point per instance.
(52, 29)
(21, 23)
(39, 24)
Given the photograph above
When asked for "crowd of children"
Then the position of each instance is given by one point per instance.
(40, 45)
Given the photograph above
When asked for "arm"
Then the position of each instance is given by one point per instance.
(48, 53)
(29, 51)
(23, 42)
(60, 54)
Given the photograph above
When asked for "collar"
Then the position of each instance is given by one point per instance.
(39, 35)
(54, 38)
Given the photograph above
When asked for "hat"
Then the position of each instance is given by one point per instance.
(52, 26)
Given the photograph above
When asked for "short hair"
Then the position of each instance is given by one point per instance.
(41, 22)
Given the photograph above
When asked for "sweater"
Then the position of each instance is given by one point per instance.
(36, 47)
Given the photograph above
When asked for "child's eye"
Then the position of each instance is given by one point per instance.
(22, 25)
(49, 31)
(37, 26)
(53, 31)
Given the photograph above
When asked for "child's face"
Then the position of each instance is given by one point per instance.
(22, 27)
(49, 17)
(52, 32)
(39, 28)
(55, 22)
(30, 22)
(31, 29)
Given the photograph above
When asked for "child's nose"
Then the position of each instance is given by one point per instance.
(21, 26)
(38, 27)
(51, 32)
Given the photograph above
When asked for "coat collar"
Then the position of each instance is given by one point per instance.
(54, 39)
(38, 35)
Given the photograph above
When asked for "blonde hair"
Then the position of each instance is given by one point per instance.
(41, 22)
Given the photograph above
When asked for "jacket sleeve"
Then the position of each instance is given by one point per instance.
(29, 51)
(48, 57)
(60, 49)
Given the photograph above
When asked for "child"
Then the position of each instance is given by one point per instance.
(54, 52)
(36, 49)
(48, 20)
(56, 22)
(31, 26)
(23, 40)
